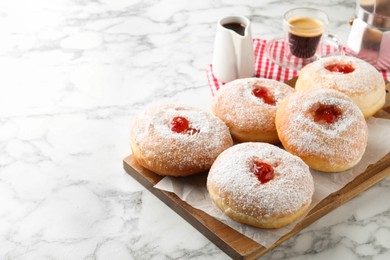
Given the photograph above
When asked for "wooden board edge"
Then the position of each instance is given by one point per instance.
(341, 197)
(181, 208)
(372, 175)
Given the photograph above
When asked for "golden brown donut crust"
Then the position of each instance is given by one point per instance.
(156, 147)
(248, 117)
(329, 148)
(237, 192)
(365, 85)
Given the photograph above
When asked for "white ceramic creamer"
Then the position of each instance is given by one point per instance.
(233, 56)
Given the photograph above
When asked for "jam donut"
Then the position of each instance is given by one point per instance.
(354, 77)
(178, 140)
(248, 107)
(324, 128)
(260, 184)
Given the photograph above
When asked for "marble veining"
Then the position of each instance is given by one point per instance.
(74, 74)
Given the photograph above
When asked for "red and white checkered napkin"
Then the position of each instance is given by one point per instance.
(264, 68)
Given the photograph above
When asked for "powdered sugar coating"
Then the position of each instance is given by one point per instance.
(337, 143)
(364, 79)
(290, 189)
(178, 153)
(235, 104)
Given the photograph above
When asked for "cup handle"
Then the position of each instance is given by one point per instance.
(331, 45)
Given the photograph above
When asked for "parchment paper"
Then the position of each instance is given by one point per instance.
(193, 189)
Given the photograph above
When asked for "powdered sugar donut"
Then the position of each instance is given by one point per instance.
(324, 128)
(248, 107)
(354, 77)
(178, 140)
(260, 184)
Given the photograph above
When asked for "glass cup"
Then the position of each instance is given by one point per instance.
(305, 39)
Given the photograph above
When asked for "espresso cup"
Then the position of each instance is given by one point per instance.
(304, 29)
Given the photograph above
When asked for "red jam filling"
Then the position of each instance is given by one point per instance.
(339, 67)
(265, 94)
(327, 114)
(181, 125)
(263, 171)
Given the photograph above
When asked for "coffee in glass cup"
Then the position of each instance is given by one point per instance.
(304, 40)
(304, 28)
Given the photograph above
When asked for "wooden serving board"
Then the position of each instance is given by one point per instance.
(234, 243)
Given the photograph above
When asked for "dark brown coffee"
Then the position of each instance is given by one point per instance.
(237, 27)
(304, 35)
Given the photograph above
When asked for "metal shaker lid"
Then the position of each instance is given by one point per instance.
(374, 12)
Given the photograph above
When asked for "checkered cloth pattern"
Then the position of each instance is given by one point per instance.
(264, 68)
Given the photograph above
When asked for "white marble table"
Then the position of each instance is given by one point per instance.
(73, 75)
